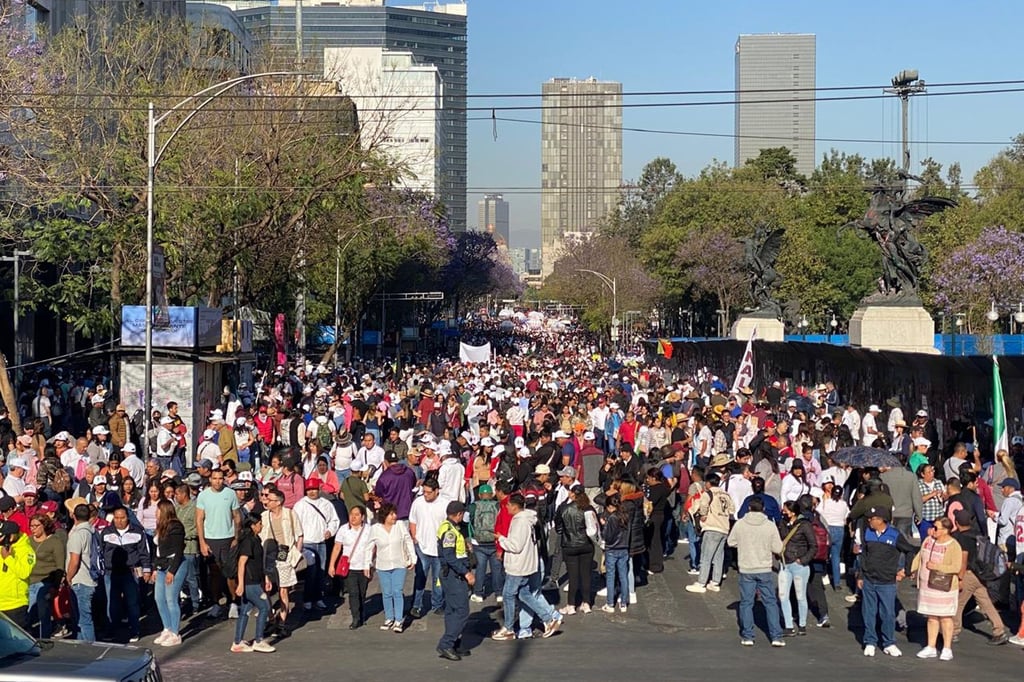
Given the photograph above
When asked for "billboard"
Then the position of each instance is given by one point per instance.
(185, 327)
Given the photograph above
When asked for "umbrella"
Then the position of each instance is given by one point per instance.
(861, 456)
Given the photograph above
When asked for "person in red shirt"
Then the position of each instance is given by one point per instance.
(264, 425)
(503, 520)
(628, 430)
(9, 512)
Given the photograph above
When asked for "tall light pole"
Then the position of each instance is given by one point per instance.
(193, 104)
(611, 284)
(905, 84)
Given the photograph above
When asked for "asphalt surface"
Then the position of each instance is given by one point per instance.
(669, 634)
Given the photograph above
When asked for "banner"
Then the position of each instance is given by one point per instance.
(476, 354)
(745, 374)
(665, 348)
(999, 436)
(279, 344)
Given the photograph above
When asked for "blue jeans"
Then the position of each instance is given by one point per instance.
(123, 593)
(712, 557)
(616, 564)
(342, 474)
(764, 585)
(836, 535)
(81, 610)
(189, 564)
(525, 589)
(41, 608)
(391, 583)
(167, 603)
(427, 565)
(795, 575)
(313, 585)
(694, 542)
(487, 554)
(254, 597)
(878, 607)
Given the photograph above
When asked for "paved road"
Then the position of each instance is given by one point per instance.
(670, 634)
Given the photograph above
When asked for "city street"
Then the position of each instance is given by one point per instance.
(670, 634)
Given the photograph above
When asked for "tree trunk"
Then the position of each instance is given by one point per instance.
(7, 393)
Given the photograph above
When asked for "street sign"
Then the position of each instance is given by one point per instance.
(412, 296)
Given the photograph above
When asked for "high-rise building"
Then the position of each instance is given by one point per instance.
(775, 96)
(51, 16)
(492, 217)
(434, 33)
(581, 159)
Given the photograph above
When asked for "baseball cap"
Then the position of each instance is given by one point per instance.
(99, 480)
(524, 452)
(391, 456)
(499, 449)
(48, 507)
(17, 462)
(791, 403)
(194, 480)
(487, 442)
(30, 490)
(560, 434)
(7, 504)
(881, 512)
(209, 434)
(922, 413)
(874, 408)
(164, 421)
(542, 469)
(100, 430)
(519, 442)
(25, 440)
(920, 441)
(455, 507)
(63, 436)
(312, 484)
(128, 447)
(588, 436)
(485, 489)
(8, 527)
(204, 464)
(567, 471)
(962, 517)
(217, 415)
(358, 466)
(1010, 483)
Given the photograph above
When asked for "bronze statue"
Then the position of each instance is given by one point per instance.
(760, 251)
(891, 222)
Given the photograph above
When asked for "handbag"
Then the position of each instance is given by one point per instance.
(937, 580)
(777, 560)
(62, 602)
(344, 561)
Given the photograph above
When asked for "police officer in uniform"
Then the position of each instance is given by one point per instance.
(457, 579)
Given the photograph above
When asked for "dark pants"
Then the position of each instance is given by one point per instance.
(816, 590)
(654, 534)
(578, 564)
(878, 608)
(123, 592)
(456, 609)
(355, 585)
(554, 556)
(215, 562)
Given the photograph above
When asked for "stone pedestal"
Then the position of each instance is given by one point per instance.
(768, 328)
(904, 328)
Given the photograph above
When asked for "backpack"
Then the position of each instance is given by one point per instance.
(991, 561)
(821, 537)
(97, 564)
(485, 513)
(61, 481)
(324, 436)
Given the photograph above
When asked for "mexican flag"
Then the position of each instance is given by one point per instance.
(665, 348)
(999, 436)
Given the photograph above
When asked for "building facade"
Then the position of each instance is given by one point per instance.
(581, 159)
(434, 33)
(775, 81)
(492, 217)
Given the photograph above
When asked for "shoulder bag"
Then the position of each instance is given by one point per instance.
(344, 561)
(937, 580)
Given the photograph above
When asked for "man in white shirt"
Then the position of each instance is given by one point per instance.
(166, 441)
(426, 515)
(870, 426)
(41, 409)
(208, 449)
(895, 415)
(76, 459)
(851, 419)
(135, 466)
(451, 476)
(319, 521)
(371, 454)
(598, 416)
(14, 484)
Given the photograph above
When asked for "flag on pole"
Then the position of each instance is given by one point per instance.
(999, 435)
(745, 374)
(665, 348)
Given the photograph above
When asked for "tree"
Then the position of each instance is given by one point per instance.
(775, 163)
(639, 203)
(987, 269)
(714, 259)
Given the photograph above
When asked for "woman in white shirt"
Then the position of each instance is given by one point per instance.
(795, 484)
(350, 541)
(834, 511)
(389, 550)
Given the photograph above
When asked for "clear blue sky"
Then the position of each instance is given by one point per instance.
(515, 45)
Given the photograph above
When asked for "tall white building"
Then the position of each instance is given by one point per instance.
(775, 81)
(398, 103)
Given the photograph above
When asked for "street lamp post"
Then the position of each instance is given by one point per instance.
(153, 155)
(611, 284)
(832, 324)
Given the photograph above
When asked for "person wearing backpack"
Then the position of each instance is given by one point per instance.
(84, 571)
(799, 547)
(973, 578)
(816, 600)
(483, 513)
(714, 513)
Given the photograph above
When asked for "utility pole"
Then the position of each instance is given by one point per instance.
(16, 259)
(905, 84)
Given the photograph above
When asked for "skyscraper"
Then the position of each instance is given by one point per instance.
(775, 96)
(434, 33)
(581, 159)
(492, 217)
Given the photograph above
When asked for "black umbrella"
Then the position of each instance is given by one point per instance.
(862, 457)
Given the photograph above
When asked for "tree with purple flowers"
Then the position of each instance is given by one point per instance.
(986, 269)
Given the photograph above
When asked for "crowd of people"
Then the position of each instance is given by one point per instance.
(553, 480)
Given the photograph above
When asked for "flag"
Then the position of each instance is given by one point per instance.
(999, 435)
(745, 374)
(665, 348)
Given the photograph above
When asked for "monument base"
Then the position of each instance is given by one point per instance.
(904, 328)
(768, 328)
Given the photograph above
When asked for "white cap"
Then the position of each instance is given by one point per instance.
(560, 434)
(100, 430)
(524, 452)
(922, 413)
(128, 447)
(498, 450)
(64, 436)
(467, 435)
(99, 480)
(240, 421)
(589, 435)
(921, 441)
(817, 493)
(874, 408)
(245, 476)
(487, 442)
(17, 462)
(209, 434)
(792, 403)
(97, 399)
(358, 465)
(444, 448)
(519, 442)
(164, 421)
(614, 406)
(217, 415)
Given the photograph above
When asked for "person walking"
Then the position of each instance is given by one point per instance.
(456, 578)
(351, 541)
(171, 572)
(253, 584)
(483, 515)
(218, 516)
(127, 560)
(971, 583)
(757, 541)
(716, 509)
(939, 567)
(389, 551)
(80, 575)
(883, 552)
(425, 517)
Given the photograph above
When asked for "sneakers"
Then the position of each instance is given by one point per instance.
(622, 608)
(500, 599)
(585, 608)
(693, 571)
(999, 639)
(233, 610)
(946, 655)
(262, 647)
(851, 598)
(801, 630)
(551, 627)
(746, 642)
(603, 592)
(397, 628)
(892, 650)
(241, 648)
(387, 625)
(632, 597)
(416, 613)
(928, 652)
(713, 587)
(565, 587)
(161, 637)
(869, 650)
(133, 639)
(568, 610)
(824, 623)
(696, 588)
(608, 608)
(778, 643)
(1016, 640)
(476, 599)
(789, 632)
(503, 635)
(171, 640)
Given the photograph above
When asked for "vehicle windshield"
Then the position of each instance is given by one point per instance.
(13, 640)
